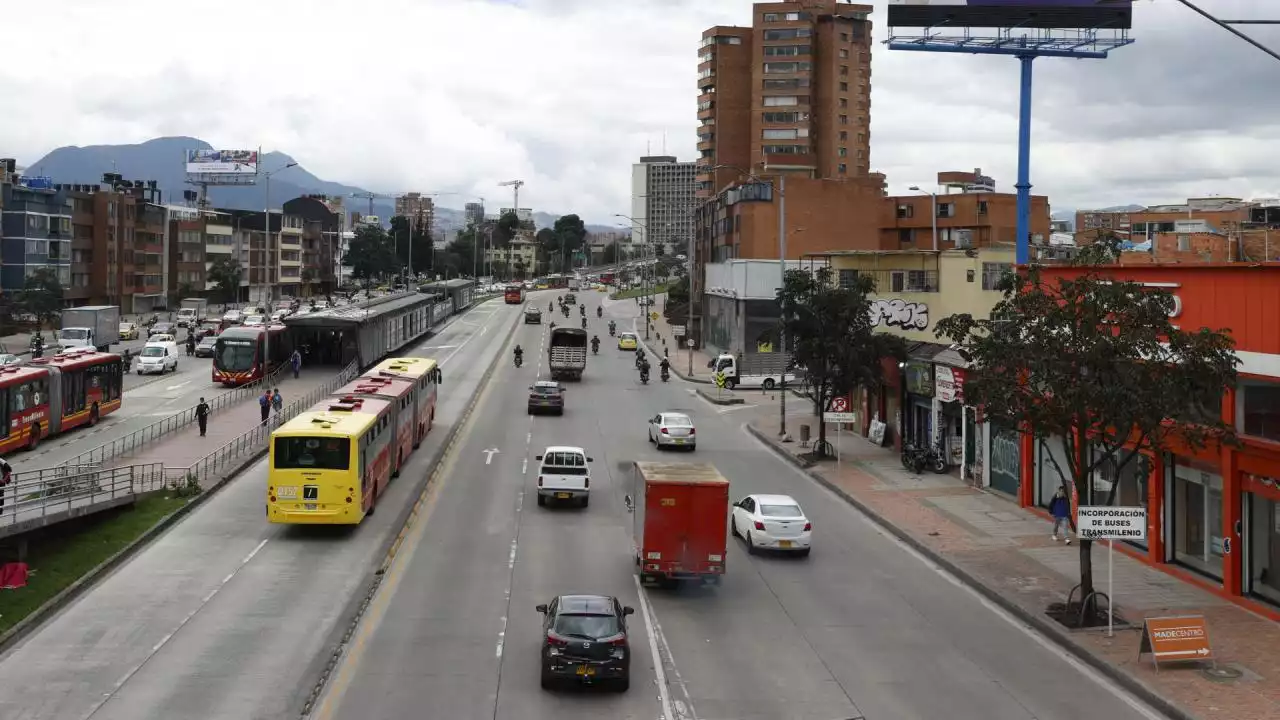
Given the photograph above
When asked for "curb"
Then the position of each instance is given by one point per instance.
(714, 400)
(1041, 625)
(85, 582)
(353, 612)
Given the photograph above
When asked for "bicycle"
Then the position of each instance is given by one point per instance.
(823, 449)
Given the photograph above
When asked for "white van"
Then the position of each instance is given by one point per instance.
(563, 475)
(158, 357)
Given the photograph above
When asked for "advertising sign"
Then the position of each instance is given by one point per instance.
(1043, 14)
(1104, 522)
(1175, 639)
(222, 162)
(949, 383)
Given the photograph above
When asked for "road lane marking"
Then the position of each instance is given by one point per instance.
(106, 697)
(653, 631)
(488, 455)
(1048, 645)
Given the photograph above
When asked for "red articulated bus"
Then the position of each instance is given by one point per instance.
(55, 394)
(245, 354)
(513, 294)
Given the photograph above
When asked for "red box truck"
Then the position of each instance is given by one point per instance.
(681, 513)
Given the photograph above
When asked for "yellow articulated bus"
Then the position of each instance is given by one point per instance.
(329, 465)
(426, 373)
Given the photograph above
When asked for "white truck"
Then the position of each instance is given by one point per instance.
(193, 312)
(95, 326)
(754, 370)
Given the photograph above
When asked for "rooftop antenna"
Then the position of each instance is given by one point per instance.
(648, 147)
(664, 142)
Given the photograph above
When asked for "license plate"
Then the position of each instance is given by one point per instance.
(584, 670)
(310, 506)
(563, 496)
(679, 442)
(287, 493)
(784, 543)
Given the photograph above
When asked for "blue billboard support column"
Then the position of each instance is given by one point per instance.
(1024, 162)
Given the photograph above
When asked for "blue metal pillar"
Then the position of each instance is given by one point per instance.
(1024, 162)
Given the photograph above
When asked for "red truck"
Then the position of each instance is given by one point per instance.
(681, 522)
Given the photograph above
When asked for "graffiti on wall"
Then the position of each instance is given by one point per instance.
(895, 312)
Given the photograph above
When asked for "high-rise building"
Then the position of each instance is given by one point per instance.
(473, 213)
(419, 208)
(662, 201)
(791, 93)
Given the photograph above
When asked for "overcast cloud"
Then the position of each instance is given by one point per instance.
(457, 95)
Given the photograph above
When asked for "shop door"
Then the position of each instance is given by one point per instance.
(970, 440)
(1005, 460)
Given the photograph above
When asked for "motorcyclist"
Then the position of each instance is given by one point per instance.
(640, 358)
(599, 311)
(191, 343)
(665, 366)
(612, 327)
(644, 370)
(582, 310)
(519, 353)
(584, 323)
(551, 306)
(595, 344)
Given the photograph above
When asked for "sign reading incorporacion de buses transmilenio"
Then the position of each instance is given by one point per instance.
(1105, 522)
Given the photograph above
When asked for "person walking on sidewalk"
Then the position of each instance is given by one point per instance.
(1060, 509)
(202, 416)
(6, 474)
(264, 404)
(277, 404)
(295, 361)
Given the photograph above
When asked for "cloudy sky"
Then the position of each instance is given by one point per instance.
(457, 95)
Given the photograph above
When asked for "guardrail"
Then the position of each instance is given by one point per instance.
(100, 455)
(43, 497)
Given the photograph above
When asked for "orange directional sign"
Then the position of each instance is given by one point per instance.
(1176, 639)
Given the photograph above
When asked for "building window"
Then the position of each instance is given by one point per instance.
(992, 273)
(787, 34)
(906, 211)
(780, 134)
(785, 83)
(844, 53)
(842, 152)
(844, 87)
(786, 117)
(1197, 516)
(844, 102)
(946, 210)
(1258, 409)
(781, 100)
(1184, 243)
(844, 135)
(848, 278)
(844, 37)
(841, 169)
(787, 50)
(844, 71)
(906, 236)
(844, 119)
(783, 68)
(786, 149)
(982, 207)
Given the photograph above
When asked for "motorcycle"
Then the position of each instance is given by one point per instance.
(599, 312)
(595, 349)
(519, 360)
(644, 377)
(584, 323)
(666, 375)
(611, 331)
(916, 458)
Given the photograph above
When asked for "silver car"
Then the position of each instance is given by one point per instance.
(672, 429)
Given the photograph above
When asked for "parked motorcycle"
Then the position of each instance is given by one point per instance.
(917, 457)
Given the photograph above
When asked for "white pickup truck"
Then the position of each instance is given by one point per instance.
(563, 475)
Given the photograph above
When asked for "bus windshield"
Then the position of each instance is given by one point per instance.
(235, 356)
(312, 453)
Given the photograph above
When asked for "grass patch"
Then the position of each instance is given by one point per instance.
(637, 292)
(58, 560)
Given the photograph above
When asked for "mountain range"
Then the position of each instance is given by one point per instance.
(162, 160)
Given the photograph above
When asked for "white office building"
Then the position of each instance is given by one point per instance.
(662, 202)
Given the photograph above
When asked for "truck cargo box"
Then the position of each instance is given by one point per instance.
(681, 521)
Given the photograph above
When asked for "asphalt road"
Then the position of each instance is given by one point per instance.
(863, 628)
(222, 616)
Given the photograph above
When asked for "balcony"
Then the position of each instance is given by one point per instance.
(894, 282)
(790, 160)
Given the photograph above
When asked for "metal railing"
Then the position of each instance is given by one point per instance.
(31, 497)
(165, 426)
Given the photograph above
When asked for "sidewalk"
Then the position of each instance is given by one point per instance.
(661, 333)
(1008, 551)
(183, 448)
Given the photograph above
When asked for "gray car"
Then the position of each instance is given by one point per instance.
(672, 430)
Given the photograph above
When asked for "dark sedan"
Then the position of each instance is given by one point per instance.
(162, 328)
(533, 316)
(546, 395)
(584, 638)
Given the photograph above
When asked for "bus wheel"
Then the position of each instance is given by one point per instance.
(399, 463)
(33, 440)
(417, 437)
(93, 415)
(373, 502)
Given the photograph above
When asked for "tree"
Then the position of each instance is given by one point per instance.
(611, 253)
(423, 249)
(830, 334)
(225, 274)
(371, 255)
(41, 296)
(1094, 363)
(571, 233)
(505, 230)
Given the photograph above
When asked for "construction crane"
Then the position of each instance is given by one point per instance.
(371, 196)
(515, 185)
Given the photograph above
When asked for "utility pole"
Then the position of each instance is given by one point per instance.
(782, 320)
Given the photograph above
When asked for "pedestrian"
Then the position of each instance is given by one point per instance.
(202, 416)
(277, 403)
(264, 404)
(6, 474)
(1060, 509)
(295, 360)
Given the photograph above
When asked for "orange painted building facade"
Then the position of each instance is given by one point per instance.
(1213, 515)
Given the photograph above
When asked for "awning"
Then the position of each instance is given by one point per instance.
(924, 351)
(950, 357)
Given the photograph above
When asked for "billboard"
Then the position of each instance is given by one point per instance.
(222, 162)
(1041, 14)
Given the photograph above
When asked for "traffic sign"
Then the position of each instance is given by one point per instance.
(1101, 522)
(677, 331)
(1175, 639)
(840, 404)
(839, 417)
(653, 316)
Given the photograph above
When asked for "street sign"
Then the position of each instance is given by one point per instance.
(840, 404)
(653, 316)
(839, 417)
(677, 331)
(1175, 639)
(1103, 522)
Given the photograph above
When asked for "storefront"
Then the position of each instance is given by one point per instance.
(1213, 511)
(917, 424)
(955, 432)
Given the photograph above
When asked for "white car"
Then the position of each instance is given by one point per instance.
(773, 522)
(232, 316)
(672, 429)
(158, 357)
(254, 321)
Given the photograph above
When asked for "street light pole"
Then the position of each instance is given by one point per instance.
(782, 284)
(934, 196)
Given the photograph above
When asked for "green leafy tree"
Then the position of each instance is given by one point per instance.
(225, 273)
(830, 334)
(548, 248)
(571, 233)
(41, 296)
(423, 250)
(1099, 354)
(505, 229)
(611, 253)
(371, 255)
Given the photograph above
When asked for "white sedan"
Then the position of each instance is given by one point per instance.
(671, 429)
(773, 522)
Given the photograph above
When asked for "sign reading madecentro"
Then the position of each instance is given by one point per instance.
(1105, 522)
